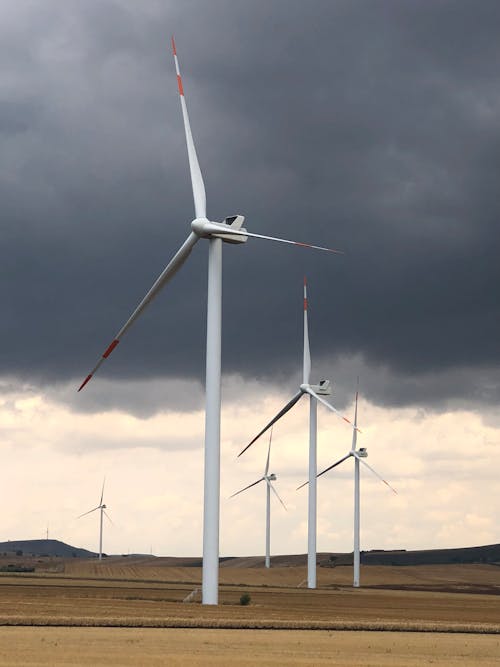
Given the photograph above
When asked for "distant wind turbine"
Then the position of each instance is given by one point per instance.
(231, 230)
(102, 507)
(268, 478)
(315, 396)
(358, 455)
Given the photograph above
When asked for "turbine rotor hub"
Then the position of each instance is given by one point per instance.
(204, 228)
(199, 227)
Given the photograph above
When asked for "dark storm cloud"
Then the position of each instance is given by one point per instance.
(370, 126)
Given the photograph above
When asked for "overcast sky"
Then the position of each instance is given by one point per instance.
(373, 127)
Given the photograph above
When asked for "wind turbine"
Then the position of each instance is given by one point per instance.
(231, 230)
(358, 455)
(268, 478)
(102, 508)
(315, 392)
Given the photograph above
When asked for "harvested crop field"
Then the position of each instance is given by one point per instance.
(200, 648)
(136, 608)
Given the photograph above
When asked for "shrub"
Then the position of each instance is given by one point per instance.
(245, 599)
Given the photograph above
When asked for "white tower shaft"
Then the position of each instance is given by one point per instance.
(311, 520)
(355, 582)
(268, 525)
(212, 427)
(100, 531)
(355, 554)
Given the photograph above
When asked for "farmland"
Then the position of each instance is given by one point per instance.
(76, 606)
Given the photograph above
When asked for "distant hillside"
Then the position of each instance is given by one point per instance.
(43, 548)
(485, 554)
(55, 548)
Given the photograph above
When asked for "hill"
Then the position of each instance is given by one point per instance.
(484, 554)
(465, 555)
(43, 548)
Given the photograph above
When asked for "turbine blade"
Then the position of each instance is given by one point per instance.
(280, 414)
(269, 452)
(334, 465)
(374, 472)
(89, 512)
(199, 196)
(276, 493)
(108, 517)
(307, 350)
(168, 272)
(355, 427)
(221, 230)
(102, 492)
(329, 406)
(247, 487)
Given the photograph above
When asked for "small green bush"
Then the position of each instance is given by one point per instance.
(245, 599)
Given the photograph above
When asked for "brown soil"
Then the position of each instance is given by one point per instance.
(90, 593)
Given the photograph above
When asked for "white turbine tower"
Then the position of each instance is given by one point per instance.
(358, 455)
(268, 478)
(315, 393)
(102, 511)
(230, 231)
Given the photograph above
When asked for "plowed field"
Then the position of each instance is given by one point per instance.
(134, 614)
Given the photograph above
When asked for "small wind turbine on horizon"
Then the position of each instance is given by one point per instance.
(315, 393)
(102, 507)
(268, 478)
(358, 455)
(231, 231)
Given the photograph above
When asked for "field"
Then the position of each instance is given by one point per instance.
(218, 648)
(132, 612)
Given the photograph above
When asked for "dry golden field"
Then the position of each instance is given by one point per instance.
(131, 612)
(127, 647)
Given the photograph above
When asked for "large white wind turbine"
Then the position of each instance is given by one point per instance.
(268, 478)
(358, 455)
(102, 512)
(315, 392)
(230, 231)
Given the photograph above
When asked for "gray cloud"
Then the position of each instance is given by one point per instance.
(373, 127)
(143, 398)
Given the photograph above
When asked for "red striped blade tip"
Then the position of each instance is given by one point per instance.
(85, 382)
(173, 46)
(317, 247)
(110, 348)
(353, 425)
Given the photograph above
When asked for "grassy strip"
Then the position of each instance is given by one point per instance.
(263, 624)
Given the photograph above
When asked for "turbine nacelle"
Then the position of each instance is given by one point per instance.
(204, 228)
(271, 477)
(362, 452)
(323, 388)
